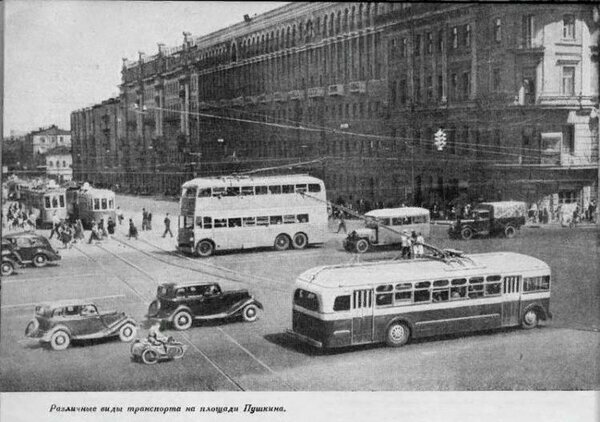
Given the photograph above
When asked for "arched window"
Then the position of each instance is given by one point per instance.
(352, 18)
(317, 30)
(233, 53)
(262, 44)
(300, 31)
(64, 163)
(324, 32)
(331, 22)
(288, 38)
(57, 164)
(360, 16)
(272, 42)
(293, 35)
(345, 28)
(338, 22)
(277, 46)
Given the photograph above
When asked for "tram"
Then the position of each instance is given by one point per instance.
(90, 204)
(43, 200)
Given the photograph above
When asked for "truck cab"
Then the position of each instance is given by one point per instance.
(501, 218)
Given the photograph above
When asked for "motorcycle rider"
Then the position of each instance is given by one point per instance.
(156, 337)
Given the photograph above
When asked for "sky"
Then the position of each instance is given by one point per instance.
(60, 56)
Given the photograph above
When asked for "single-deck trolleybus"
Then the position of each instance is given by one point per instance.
(394, 301)
(224, 213)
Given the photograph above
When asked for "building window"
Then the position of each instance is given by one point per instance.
(498, 30)
(569, 138)
(496, 79)
(440, 87)
(440, 41)
(417, 96)
(569, 27)
(403, 91)
(527, 31)
(453, 86)
(429, 85)
(467, 35)
(568, 80)
(417, 47)
(466, 84)
(455, 38)
(403, 44)
(429, 43)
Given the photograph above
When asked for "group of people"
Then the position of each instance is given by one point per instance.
(67, 232)
(18, 218)
(100, 232)
(412, 245)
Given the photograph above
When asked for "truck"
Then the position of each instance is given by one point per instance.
(501, 218)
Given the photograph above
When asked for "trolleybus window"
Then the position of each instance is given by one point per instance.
(207, 222)
(535, 284)
(306, 300)
(54, 202)
(275, 219)
(249, 221)
(96, 203)
(301, 188)
(289, 219)
(235, 222)
(441, 291)
(233, 191)
(275, 189)
(314, 187)
(247, 190)
(218, 191)
(422, 291)
(403, 293)
(220, 222)
(199, 222)
(111, 204)
(303, 218)
(384, 295)
(287, 189)
(261, 190)
(458, 289)
(342, 303)
(475, 287)
(204, 192)
(493, 285)
(61, 199)
(104, 203)
(262, 221)
(190, 192)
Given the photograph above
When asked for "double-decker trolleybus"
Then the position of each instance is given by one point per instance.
(224, 213)
(394, 301)
(90, 204)
(44, 200)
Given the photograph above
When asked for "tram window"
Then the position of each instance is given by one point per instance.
(96, 203)
(233, 191)
(199, 222)
(301, 188)
(247, 190)
(440, 295)
(204, 192)
(218, 191)
(207, 222)
(384, 288)
(383, 299)
(111, 204)
(275, 189)
(47, 202)
(314, 187)
(492, 289)
(341, 303)
(262, 221)
(289, 219)
(303, 218)
(440, 283)
(54, 202)
(532, 284)
(422, 295)
(249, 221)
(104, 203)
(261, 190)
(61, 200)
(307, 300)
(220, 222)
(235, 222)
(190, 192)
(275, 219)
(287, 189)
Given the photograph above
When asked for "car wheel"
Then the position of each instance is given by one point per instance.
(153, 308)
(40, 260)
(397, 335)
(466, 233)
(205, 248)
(300, 241)
(509, 231)
(60, 340)
(282, 242)
(149, 357)
(362, 246)
(127, 332)
(182, 320)
(7, 268)
(250, 313)
(530, 319)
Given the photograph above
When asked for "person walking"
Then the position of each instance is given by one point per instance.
(144, 219)
(132, 230)
(420, 241)
(119, 213)
(167, 226)
(149, 221)
(341, 222)
(94, 235)
(78, 231)
(405, 245)
(110, 226)
(55, 224)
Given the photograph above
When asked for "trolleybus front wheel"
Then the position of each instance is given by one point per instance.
(397, 335)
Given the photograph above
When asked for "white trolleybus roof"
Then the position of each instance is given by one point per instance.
(397, 212)
(381, 272)
(210, 182)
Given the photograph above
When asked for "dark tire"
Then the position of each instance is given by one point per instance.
(7, 268)
(153, 308)
(300, 241)
(149, 357)
(466, 233)
(362, 245)
(182, 320)
(530, 319)
(40, 260)
(282, 242)
(60, 340)
(397, 334)
(205, 248)
(250, 313)
(509, 232)
(127, 332)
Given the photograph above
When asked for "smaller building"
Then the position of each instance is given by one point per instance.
(44, 140)
(59, 163)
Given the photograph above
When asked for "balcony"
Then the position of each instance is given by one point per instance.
(357, 87)
(296, 94)
(337, 89)
(316, 92)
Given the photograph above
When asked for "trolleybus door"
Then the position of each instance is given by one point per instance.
(511, 300)
(362, 316)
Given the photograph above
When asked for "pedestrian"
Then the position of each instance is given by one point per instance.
(120, 215)
(144, 219)
(66, 236)
(413, 243)
(149, 221)
(167, 226)
(94, 235)
(78, 231)
(545, 215)
(132, 230)
(101, 229)
(405, 245)
(592, 211)
(31, 222)
(110, 225)
(341, 222)
(420, 241)
(55, 224)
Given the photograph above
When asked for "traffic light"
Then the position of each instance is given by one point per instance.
(440, 139)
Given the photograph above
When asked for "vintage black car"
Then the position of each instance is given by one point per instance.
(182, 303)
(59, 323)
(33, 248)
(10, 258)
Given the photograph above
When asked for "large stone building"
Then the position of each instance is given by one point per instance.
(355, 92)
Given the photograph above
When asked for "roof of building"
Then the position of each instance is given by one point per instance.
(52, 130)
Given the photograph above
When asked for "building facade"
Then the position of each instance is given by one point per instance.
(353, 92)
(59, 164)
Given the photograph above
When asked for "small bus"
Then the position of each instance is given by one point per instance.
(386, 227)
(394, 301)
(241, 212)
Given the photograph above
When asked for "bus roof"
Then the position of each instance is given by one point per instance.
(352, 275)
(397, 212)
(250, 180)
